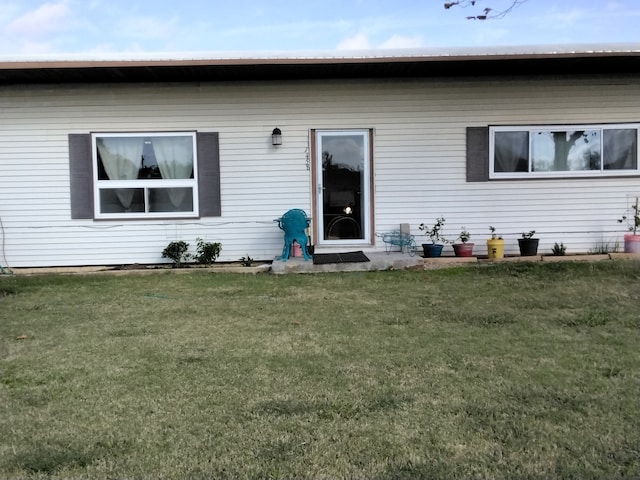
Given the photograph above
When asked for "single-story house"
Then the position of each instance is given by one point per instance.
(105, 161)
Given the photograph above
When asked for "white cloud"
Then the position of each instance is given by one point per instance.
(399, 41)
(358, 42)
(361, 41)
(147, 27)
(41, 22)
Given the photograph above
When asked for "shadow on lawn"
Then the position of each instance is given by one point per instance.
(52, 459)
(332, 409)
(49, 461)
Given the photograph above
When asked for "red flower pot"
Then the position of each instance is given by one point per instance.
(463, 249)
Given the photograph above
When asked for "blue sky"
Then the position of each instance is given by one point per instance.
(59, 27)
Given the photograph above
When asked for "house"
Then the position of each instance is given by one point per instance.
(106, 161)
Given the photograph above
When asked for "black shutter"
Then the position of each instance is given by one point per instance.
(81, 175)
(209, 174)
(477, 154)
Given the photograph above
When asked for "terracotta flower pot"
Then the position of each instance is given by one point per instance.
(463, 249)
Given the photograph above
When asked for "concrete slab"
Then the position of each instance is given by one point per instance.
(447, 262)
(625, 256)
(258, 267)
(377, 261)
(514, 259)
(577, 258)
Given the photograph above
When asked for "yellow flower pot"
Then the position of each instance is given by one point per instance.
(495, 248)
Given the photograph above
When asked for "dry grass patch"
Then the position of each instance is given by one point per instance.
(353, 375)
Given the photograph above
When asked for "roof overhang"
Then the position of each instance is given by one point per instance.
(514, 61)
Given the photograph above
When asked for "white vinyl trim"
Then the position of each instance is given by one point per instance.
(147, 185)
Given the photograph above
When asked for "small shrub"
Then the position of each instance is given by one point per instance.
(559, 249)
(246, 261)
(177, 253)
(207, 252)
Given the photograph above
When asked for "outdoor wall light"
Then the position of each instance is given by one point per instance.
(276, 136)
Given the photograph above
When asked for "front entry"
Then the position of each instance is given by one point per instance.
(342, 172)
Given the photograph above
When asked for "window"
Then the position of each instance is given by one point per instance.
(144, 175)
(571, 151)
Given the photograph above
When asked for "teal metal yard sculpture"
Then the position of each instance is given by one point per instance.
(294, 223)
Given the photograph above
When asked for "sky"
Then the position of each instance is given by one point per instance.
(58, 28)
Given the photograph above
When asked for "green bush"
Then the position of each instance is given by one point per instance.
(177, 252)
(207, 252)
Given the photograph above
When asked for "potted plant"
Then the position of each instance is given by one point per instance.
(528, 245)
(465, 248)
(632, 240)
(495, 245)
(433, 249)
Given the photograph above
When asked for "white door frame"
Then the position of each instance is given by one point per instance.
(366, 182)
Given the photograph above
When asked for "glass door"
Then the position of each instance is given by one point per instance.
(343, 173)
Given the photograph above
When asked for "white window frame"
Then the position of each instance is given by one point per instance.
(146, 185)
(561, 174)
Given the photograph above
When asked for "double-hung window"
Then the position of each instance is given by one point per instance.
(563, 151)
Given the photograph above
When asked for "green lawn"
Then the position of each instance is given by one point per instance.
(508, 371)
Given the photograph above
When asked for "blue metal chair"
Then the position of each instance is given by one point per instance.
(294, 223)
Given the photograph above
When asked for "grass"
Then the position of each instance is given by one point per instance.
(509, 371)
(605, 247)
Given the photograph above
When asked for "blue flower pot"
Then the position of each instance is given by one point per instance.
(431, 250)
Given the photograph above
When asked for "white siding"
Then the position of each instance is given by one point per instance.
(419, 161)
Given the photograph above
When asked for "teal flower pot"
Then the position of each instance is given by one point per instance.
(431, 250)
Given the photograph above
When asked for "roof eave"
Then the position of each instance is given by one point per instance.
(308, 67)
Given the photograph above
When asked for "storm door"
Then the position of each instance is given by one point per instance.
(343, 187)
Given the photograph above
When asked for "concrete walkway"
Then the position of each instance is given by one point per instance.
(378, 261)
